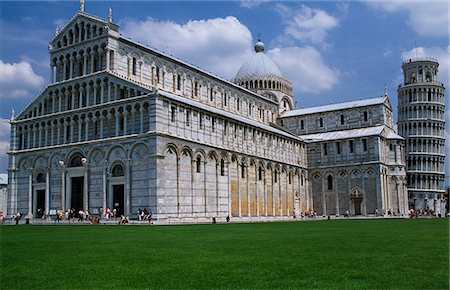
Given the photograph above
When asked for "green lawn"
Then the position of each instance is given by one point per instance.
(409, 254)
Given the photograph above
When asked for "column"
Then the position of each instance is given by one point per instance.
(80, 125)
(86, 135)
(109, 91)
(80, 98)
(95, 94)
(84, 63)
(72, 122)
(53, 104)
(102, 92)
(40, 135)
(101, 126)
(64, 68)
(117, 122)
(28, 138)
(73, 99)
(141, 129)
(127, 187)
(63, 186)
(108, 55)
(47, 192)
(52, 135)
(88, 95)
(85, 188)
(125, 120)
(52, 76)
(46, 135)
(71, 59)
(30, 193)
(105, 173)
(92, 61)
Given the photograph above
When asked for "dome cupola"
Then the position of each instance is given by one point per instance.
(263, 76)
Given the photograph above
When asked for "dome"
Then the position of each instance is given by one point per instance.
(259, 66)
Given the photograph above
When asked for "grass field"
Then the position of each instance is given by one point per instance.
(409, 254)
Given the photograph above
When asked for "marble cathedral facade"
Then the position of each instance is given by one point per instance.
(125, 126)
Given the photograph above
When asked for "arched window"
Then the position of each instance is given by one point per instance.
(134, 66)
(75, 161)
(342, 120)
(260, 173)
(330, 182)
(321, 122)
(40, 178)
(178, 82)
(118, 170)
(199, 163)
(242, 171)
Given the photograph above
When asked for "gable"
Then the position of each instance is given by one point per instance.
(82, 26)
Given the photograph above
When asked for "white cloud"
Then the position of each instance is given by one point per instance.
(219, 45)
(18, 80)
(426, 18)
(306, 69)
(307, 24)
(4, 137)
(441, 54)
(252, 3)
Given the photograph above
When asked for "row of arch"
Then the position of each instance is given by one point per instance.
(419, 112)
(421, 94)
(425, 164)
(231, 184)
(433, 146)
(79, 32)
(268, 84)
(430, 182)
(81, 62)
(174, 78)
(110, 122)
(75, 95)
(426, 128)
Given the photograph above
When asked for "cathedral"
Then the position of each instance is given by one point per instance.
(125, 126)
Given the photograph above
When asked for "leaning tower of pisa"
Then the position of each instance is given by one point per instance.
(421, 121)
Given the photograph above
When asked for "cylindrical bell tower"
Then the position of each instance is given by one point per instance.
(421, 121)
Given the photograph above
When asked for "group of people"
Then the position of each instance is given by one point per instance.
(143, 215)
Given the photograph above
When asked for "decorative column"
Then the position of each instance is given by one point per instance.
(80, 125)
(84, 63)
(125, 119)
(86, 183)
(72, 123)
(109, 91)
(64, 68)
(141, 129)
(95, 94)
(92, 61)
(128, 187)
(63, 185)
(52, 76)
(102, 92)
(30, 192)
(47, 192)
(101, 125)
(108, 55)
(86, 135)
(105, 175)
(117, 122)
(71, 59)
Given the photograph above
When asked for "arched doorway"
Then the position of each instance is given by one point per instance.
(356, 199)
(116, 198)
(77, 183)
(39, 196)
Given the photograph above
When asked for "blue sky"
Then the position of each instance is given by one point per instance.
(331, 51)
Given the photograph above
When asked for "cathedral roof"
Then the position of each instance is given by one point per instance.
(336, 107)
(259, 66)
(353, 133)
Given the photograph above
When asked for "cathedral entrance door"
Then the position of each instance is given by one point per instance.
(39, 207)
(119, 198)
(357, 203)
(77, 193)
